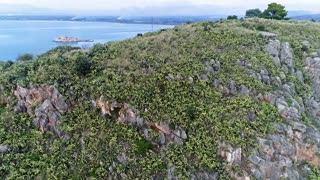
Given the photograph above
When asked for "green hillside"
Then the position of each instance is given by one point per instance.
(189, 102)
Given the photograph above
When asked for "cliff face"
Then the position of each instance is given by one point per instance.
(233, 99)
(285, 152)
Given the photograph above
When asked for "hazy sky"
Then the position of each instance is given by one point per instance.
(160, 6)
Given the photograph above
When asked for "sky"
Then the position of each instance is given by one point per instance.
(147, 7)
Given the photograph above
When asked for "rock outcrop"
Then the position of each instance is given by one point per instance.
(283, 154)
(3, 149)
(125, 113)
(49, 104)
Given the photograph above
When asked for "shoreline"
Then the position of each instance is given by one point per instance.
(96, 21)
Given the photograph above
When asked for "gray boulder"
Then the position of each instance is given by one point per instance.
(268, 34)
(273, 48)
(233, 87)
(162, 138)
(286, 56)
(3, 148)
(244, 90)
(276, 61)
(300, 76)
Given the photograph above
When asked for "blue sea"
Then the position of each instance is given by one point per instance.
(36, 37)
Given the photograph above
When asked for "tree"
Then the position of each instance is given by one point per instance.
(232, 17)
(83, 65)
(250, 13)
(25, 57)
(275, 11)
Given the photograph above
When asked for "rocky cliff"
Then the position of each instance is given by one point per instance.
(212, 100)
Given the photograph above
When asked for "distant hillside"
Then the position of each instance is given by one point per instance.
(120, 19)
(315, 17)
(232, 99)
(298, 13)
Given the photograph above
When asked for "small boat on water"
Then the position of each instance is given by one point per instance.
(66, 39)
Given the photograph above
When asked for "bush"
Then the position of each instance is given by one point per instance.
(25, 57)
(142, 147)
(250, 13)
(83, 65)
(232, 17)
(261, 27)
(6, 65)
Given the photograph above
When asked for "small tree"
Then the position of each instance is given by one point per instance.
(275, 11)
(250, 13)
(25, 57)
(232, 17)
(82, 64)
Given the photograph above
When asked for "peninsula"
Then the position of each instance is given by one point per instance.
(66, 39)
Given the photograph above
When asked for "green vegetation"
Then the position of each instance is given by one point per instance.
(159, 74)
(250, 13)
(275, 11)
(315, 175)
(232, 17)
(25, 57)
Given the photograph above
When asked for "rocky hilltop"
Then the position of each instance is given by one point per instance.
(213, 100)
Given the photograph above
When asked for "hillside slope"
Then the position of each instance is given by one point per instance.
(231, 99)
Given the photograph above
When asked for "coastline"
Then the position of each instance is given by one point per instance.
(40, 35)
(156, 20)
(97, 21)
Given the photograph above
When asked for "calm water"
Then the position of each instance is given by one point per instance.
(35, 37)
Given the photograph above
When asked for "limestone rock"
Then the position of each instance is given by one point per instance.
(234, 155)
(204, 77)
(184, 134)
(305, 43)
(209, 67)
(268, 34)
(244, 90)
(233, 88)
(276, 61)
(48, 112)
(162, 138)
(282, 105)
(286, 56)
(273, 48)
(3, 148)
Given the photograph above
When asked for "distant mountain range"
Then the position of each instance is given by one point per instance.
(170, 9)
(315, 17)
(120, 19)
(298, 13)
(174, 20)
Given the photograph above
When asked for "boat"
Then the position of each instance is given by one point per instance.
(66, 39)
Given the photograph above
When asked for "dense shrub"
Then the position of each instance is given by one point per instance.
(25, 57)
(232, 17)
(82, 64)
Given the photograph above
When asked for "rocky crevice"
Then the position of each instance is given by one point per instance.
(125, 113)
